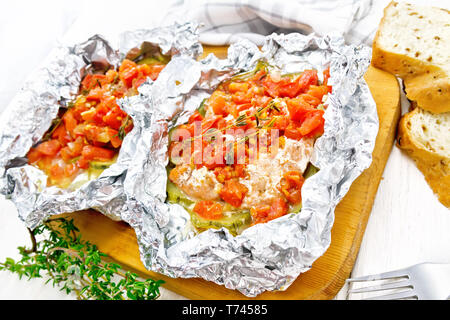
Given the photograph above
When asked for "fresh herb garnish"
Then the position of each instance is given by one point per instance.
(77, 266)
(261, 65)
(202, 109)
(122, 133)
(273, 105)
(55, 124)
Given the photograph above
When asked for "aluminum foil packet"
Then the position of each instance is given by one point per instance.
(268, 256)
(31, 112)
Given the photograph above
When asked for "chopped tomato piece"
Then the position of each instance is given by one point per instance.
(326, 76)
(71, 169)
(57, 171)
(223, 173)
(111, 76)
(61, 134)
(281, 122)
(127, 72)
(292, 131)
(91, 81)
(86, 83)
(97, 153)
(313, 121)
(261, 101)
(115, 139)
(155, 71)
(311, 100)
(114, 118)
(291, 185)
(69, 121)
(66, 154)
(33, 155)
(298, 108)
(221, 123)
(88, 115)
(217, 101)
(306, 79)
(209, 123)
(138, 81)
(77, 146)
(240, 170)
(285, 87)
(272, 87)
(317, 91)
(288, 89)
(128, 76)
(238, 86)
(95, 133)
(49, 148)
(126, 65)
(196, 116)
(260, 213)
(278, 208)
(95, 94)
(265, 213)
(241, 97)
(243, 107)
(233, 192)
(207, 209)
(83, 163)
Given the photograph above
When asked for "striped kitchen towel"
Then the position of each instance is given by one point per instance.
(226, 21)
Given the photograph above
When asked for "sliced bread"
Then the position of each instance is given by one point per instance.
(426, 138)
(413, 42)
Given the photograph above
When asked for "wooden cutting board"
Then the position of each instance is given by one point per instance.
(328, 273)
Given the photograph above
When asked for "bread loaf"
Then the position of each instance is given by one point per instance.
(413, 42)
(426, 138)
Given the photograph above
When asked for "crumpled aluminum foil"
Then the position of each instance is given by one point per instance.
(267, 256)
(30, 115)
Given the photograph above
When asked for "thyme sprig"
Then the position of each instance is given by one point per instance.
(240, 121)
(77, 266)
(122, 133)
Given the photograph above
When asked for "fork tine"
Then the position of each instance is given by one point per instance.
(381, 276)
(395, 296)
(384, 286)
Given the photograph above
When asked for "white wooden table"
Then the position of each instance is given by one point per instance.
(407, 225)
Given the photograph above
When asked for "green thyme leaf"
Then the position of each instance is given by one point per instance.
(202, 109)
(53, 127)
(125, 123)
(75, 265)
(273, 105)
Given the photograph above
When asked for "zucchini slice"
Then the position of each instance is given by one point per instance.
(175, 195)
(100, 165)
(233, 221)
(149, 61)
(310, 171)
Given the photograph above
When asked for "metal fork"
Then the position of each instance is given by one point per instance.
(428, 281)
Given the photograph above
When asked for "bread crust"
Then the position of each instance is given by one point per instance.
(430, 90)
(435, 168)
(424, 82)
